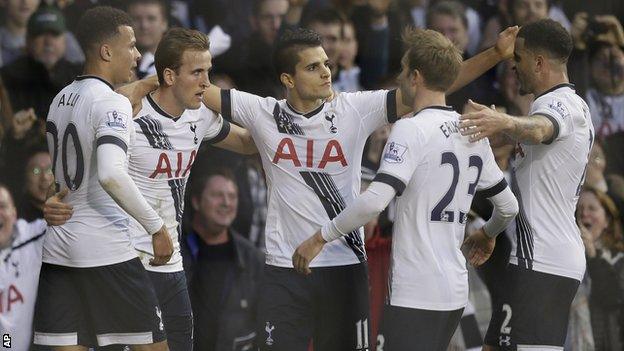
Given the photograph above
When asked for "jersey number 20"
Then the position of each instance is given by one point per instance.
(72, 132)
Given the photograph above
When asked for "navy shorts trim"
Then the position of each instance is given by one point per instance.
(416, 329)
(97, 306)
(329, 306)
(533, 311)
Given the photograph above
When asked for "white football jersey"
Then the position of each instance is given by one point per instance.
(547, 179)
(85, 114)
(436, 173)
(313, 165)
(19, 278)
(161, 158)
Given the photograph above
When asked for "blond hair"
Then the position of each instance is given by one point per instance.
(172, 47)
(434, 56)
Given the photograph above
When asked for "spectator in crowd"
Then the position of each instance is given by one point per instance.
(19, 132)
(605, 95)
(520, 12)
(596, 178)
(6, 114)
(511, 100)
(255, 70)
(13, 30)
(224, 268)
(449, 18)
(38, 178)
(378, 27)
(34, 79)
(20, 257)
(150, 24)
(601, 230)
(348, 79)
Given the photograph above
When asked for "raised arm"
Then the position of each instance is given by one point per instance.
(479, 64)
(135, 91)
(238, 140)
(474, 67)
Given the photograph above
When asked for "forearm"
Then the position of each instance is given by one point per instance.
(505, 210)
(135, 91)
(117, 183)
(239, 140)
(474, 67)
(528, 130)
(365, 208)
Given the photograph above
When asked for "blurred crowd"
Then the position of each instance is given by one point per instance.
(39, 55)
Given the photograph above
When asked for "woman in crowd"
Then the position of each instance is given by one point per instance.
(601, 230)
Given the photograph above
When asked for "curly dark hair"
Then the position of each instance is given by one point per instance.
(99, 24)
(547, 36)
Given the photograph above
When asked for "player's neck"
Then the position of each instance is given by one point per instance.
(165, 99)
(425, 98)
(549, 81)
(94, 69)
(303, 106)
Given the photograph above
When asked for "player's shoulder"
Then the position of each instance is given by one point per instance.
(561, 101)
(358, 97)
(29, 231)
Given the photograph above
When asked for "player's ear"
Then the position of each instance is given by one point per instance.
(169, 76)
(106, 52)
(287, 80)
(417, 78)
(540, 61)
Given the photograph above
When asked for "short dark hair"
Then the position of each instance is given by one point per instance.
(450, 8)
(200, 181)
(287, 48)
(164, 6)
(547, 36)
(173, 45)
(99, 24)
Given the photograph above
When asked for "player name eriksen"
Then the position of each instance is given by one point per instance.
(449, 128)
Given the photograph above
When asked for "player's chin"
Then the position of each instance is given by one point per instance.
(325, 93)
(194, 104)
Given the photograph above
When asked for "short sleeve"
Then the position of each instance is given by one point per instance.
(217, 127)
(492, 180)
(401, 156)
(376, 108)
(557, 112)
(112, 121)
(241, 107)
